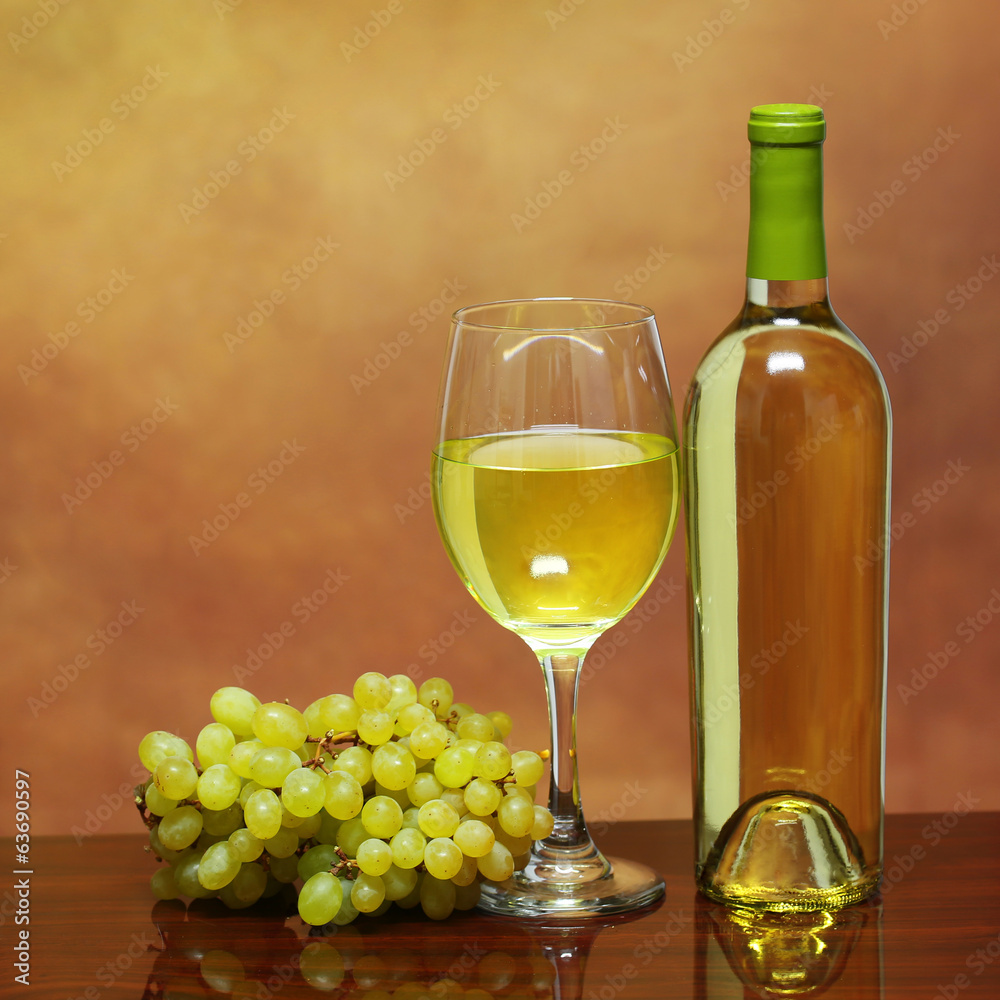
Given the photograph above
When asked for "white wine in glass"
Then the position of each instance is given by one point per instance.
(555, 487)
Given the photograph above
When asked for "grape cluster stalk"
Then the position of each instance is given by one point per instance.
(389, 795)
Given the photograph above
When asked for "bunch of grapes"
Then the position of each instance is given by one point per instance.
(392, 795)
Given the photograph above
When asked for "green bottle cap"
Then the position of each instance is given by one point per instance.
(786, 192)
(786, 124)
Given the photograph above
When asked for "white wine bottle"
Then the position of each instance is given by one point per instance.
(787, 441)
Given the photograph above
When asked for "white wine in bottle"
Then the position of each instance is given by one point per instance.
(787, 439)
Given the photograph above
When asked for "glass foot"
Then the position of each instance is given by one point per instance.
(619, 886)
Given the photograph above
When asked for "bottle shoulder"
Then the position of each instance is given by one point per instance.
(814, 329)
(807, 347)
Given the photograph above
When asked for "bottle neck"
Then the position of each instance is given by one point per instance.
(786, 241)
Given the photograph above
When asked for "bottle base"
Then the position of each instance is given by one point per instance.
(787, 852)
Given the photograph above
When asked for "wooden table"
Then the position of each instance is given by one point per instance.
(95, 932)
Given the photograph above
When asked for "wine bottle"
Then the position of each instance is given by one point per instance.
(787, 446)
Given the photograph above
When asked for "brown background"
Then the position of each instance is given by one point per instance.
(354, 499)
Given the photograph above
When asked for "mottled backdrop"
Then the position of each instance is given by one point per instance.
(232, 233)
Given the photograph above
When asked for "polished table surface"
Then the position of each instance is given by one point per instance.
(95, 932)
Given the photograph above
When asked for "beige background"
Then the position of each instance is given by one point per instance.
(351, 494)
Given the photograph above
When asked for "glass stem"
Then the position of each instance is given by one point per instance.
(568, 850)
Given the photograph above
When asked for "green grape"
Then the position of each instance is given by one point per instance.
(455, 797)
(407, 848)
(329, 828)
(375, 727)
(393, 766)
(412, 715)
(356, 761)
(382, 816)
(411, 818)
(516, 845)
(372, 690)
(262, 813)
(437, 897)
(543, 823)
(285, 870)
(242, 754)
(247, 846)
(163, 884)
(482, 796)
(246, 888)
(159, 850)
(309, 827)
(429, 739)
(528, 767)
(492, 761)
(476, 727)
(337, 712)
(214, 744)
(443, 858)
(186, 876)
(276, 724)
(424, 788)
(271, 765)
(222, 822)
(404, 692)
(344, 797)
(525, 792)
(367, 894)
(461, 709)
(248, 789)
(156, 802)
(438, 818)
(412, 898)
(222, 970)
(317, 859)
(218, 787)
(175, 777)
(374, 857)
(320, 898)
(289, 819)
(348, 912)
(466, 898)
(205, 841)
(399, 795)
(156, 746)
(469, 871)
(272, 888)
(503, 723)
(234, 707)
(283, 844)
(219, 865)
(303, 792)
(471, 745)
(352, 835)
(180, 828)
(437, 695)
(474, 837)
(454, 766)
(399, 882)
(322, 966)
(516, 815)
(498, 864)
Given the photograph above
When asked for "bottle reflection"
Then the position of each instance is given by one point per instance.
(741, 953)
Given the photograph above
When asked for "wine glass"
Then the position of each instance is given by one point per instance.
(555, 486)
